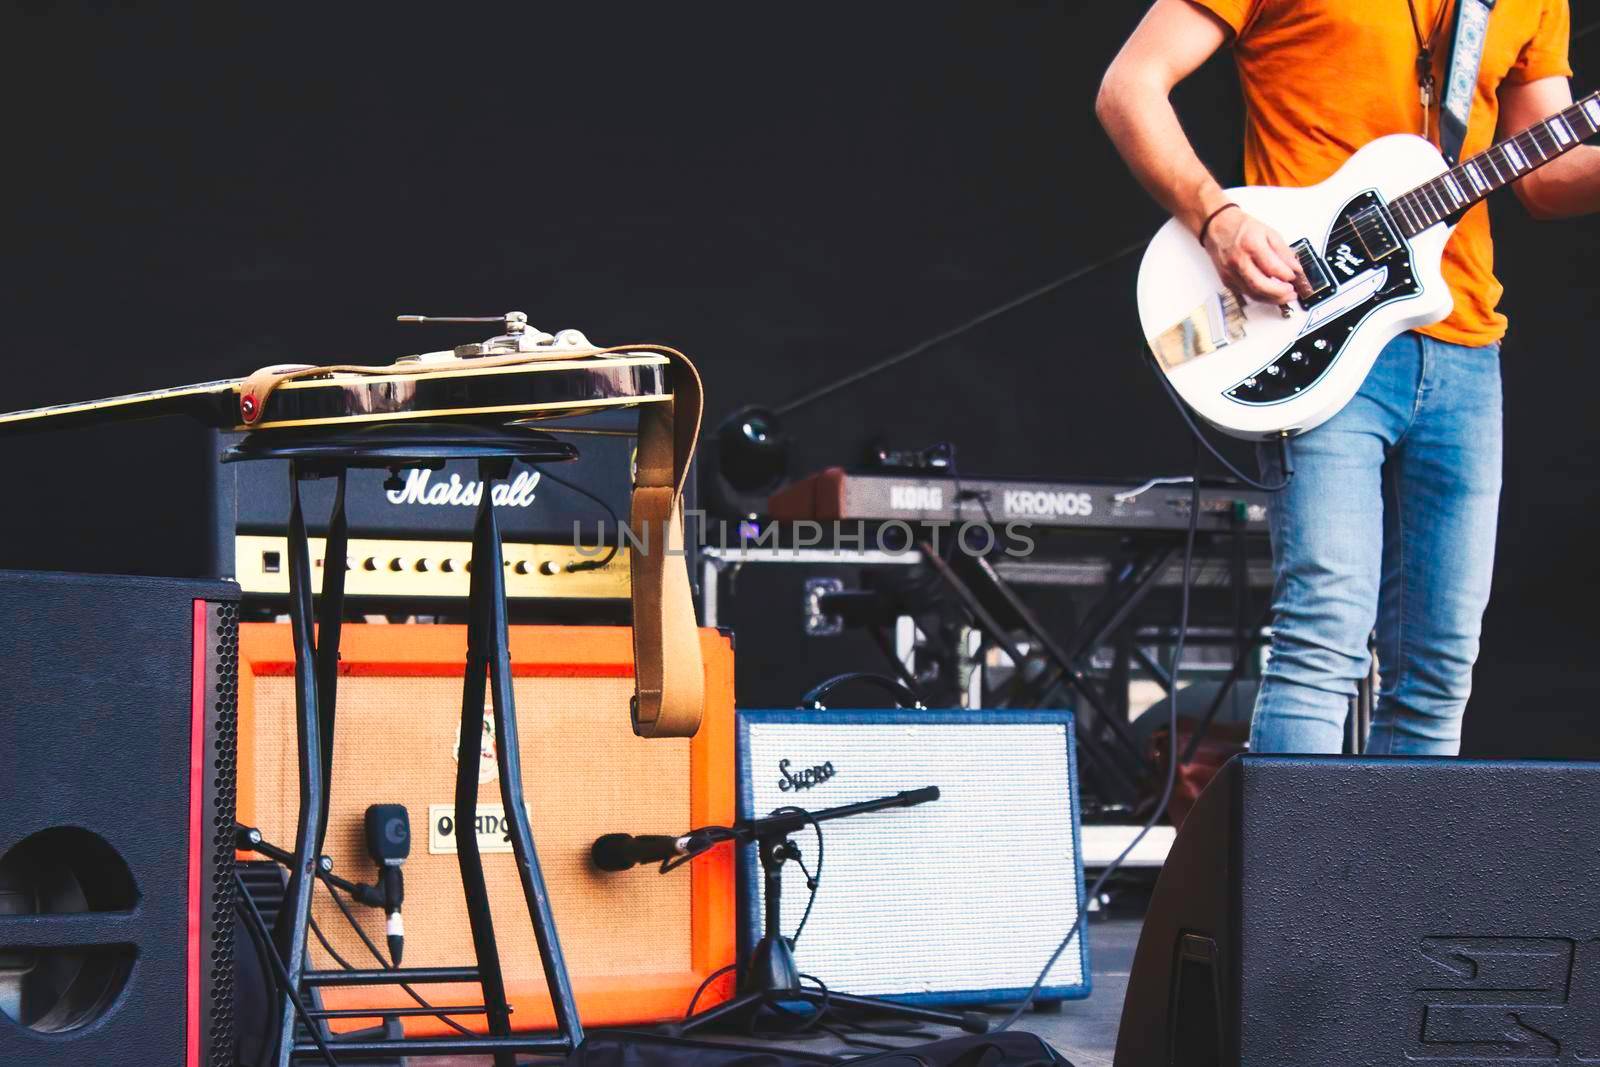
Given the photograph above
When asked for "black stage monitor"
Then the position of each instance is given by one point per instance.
(1378, 911)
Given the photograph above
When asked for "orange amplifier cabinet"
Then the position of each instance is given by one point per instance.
(638, 944)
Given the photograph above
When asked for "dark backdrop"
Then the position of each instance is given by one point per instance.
(785, 191)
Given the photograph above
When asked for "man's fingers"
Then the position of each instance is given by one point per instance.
(1259, 285)
(1292, 261)
(1267, 260)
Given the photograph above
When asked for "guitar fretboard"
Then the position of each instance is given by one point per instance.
(1473, 179)
(128, 400)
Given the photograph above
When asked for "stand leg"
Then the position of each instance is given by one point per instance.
(491, 610)
(473, 691)
(771, 975)
(330, 622)
(968, 1021)
(290, 935)
(711, 1016)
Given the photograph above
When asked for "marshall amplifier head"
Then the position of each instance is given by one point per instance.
(153, 498)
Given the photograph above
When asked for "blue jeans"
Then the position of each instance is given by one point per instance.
(1388, 522)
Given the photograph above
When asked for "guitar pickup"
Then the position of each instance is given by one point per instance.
(1373, 231)
(1321, 282)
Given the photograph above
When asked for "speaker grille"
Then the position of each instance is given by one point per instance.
(222, 676)
(960, 899)
(637, 944)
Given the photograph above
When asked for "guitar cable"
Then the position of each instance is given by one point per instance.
(1286, 463)
(611, 513)
(1162, 805)
(257, 926)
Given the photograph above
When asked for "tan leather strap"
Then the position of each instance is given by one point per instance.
(669, 690)
(669, 677)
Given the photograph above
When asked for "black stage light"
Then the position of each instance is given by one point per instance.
(753, 449)
(744, 462)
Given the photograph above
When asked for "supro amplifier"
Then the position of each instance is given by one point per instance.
(962, 900)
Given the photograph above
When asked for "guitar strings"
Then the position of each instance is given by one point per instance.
(1423, 210)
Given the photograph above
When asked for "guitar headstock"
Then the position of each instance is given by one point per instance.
(518, 337)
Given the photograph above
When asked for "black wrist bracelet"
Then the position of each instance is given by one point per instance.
(1205, 226)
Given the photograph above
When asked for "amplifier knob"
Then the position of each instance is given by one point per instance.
(448, 566)
(397, 564)
(522, 567)
(422, 567)
(369, 564)
(549, 568)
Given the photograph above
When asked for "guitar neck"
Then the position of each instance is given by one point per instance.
(210, 402)
(1463, 185)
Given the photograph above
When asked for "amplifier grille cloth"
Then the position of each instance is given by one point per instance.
(970, 892)
(585, 775)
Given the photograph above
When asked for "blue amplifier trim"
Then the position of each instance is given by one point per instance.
(749, 867)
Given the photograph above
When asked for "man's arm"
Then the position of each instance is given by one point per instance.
(1174, 38)
(1571, 184)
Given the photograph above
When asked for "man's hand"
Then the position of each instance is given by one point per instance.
(1253, 259)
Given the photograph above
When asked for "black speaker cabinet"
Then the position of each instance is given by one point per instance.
(117, 731)
(1354, 912)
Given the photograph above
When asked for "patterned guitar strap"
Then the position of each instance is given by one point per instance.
(1461, 80)
(669, 678)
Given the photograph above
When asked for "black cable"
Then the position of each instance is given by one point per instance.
(274, 1033)
(590, 564)
(813, 881)
(885, 646)
(956, 331)
(840, 1035)
(1172, 760)
(386, 964)
(327, 947)
(1194, 429)
(705, 839)
(712, 977)
(962, 495)
(253, 915)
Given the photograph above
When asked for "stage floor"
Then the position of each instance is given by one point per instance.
(1084, 1031)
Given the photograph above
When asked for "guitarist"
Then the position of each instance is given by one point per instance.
(1389, 519)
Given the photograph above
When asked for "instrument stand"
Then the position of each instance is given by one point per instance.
(398, 446)
(771, 977)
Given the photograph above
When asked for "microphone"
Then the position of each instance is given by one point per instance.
(618, 852)
(389, 843)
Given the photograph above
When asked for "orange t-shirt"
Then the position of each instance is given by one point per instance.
(1321, 78)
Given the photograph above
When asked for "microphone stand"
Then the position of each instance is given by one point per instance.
(771, 976)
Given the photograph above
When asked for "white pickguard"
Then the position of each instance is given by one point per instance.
(1176, 277)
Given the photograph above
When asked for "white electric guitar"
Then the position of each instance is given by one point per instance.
(1370, 240)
